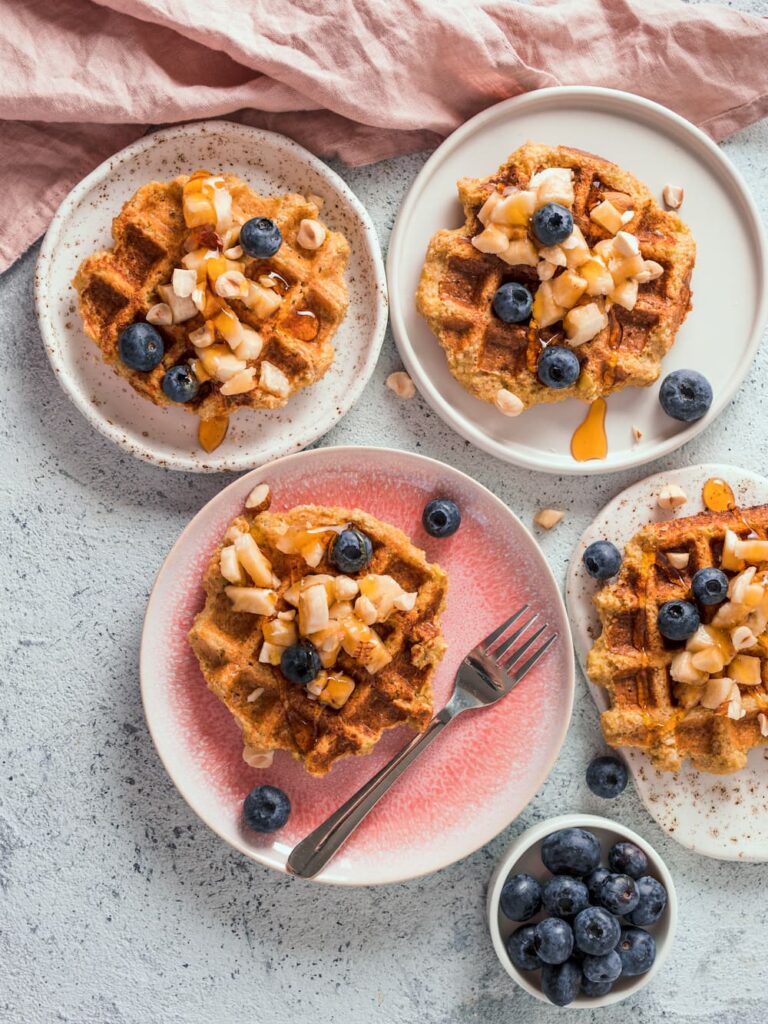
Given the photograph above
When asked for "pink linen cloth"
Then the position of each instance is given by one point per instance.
(357, 79)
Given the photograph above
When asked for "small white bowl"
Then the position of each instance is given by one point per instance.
(524, 855)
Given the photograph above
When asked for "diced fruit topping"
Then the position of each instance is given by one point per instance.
(252, 600)
(607, 216)
(552, 223)
(672, 196)
(545, 310)
(512, 303)
(492, 240)
(300, 662)
(678, 620)
(710, 586)
(602, 560)
(258, 496)
(584, 323)
(685, 395)
(260, 237)
(160, 314)
(273, 379)
(351, 551)
(513, 210)
(520, 897)
(441, 517)
(671, 496)
(568, 288)
(558, 367)
(183, 309)
(180, 383)
(607, 776)
(521, 252)
(553, 185)
(266, 809)
(141, 347)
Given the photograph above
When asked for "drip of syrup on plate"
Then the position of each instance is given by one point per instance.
(717, 495)
(589, 440)
(210, 433)
(303, 324)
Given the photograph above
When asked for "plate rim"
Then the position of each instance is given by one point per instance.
(508, 451)
(245, 461)
(327, 877)
(576, 617)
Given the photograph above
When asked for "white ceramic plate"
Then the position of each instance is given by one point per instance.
(468, 786)
(722, 331)
(723, 816)
(166, 436)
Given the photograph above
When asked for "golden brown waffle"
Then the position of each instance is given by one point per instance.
(632, 660)
(227, 646)
(117, 286)
(485, 354)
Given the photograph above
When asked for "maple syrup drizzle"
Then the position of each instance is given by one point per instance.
(589, 440)
(280, 285)
(303, 324)
(717, 495)
(210, 433)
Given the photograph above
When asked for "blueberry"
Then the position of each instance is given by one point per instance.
(637, 950)
(685, 395)
(710, 586)
(351, 551)
(607, 776)
(180, 384)
(558, 367)
(520, 897)
(553, 940)
(627, 859)
(602, 560)
(260, 238)
(653, 900)
(618, 894)
(300, 662)
(441, 517)
(595, 931)
(594, 880)
(521, 948)
(560, 983)
(266, 809)
(565, 896)
(595, 988)
(512, 303)
(571, 851)
(678, 620)
(601, 969)
(552, 224)
(140, 346)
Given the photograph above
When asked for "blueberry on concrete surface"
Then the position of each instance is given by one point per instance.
(607, 776)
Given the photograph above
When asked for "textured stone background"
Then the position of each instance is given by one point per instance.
(119, 907)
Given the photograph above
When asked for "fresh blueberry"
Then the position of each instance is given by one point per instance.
(180, 383)
(300, 662)
(678, 620)
(512, 303)
(602, 560)
(351, 551)
(710, 586)
(618, 894)
(441, 517)
(141, 347)
(558, 367)
(685, 395)
(553, 940)
(637, 950)
(627, 859)
(520, 897)
(260, 238)
(607, 776)
(560, 983)
(522, 950)
(565, 896)
(552, 224)
(594, 880)
(602, 969)
(653, 900)
(595, 988)
(571, 851)
(266, 809)
(595, 931)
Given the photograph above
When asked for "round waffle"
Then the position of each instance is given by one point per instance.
(117, 287)
(632, 660)
(486, 355)
(275, 714)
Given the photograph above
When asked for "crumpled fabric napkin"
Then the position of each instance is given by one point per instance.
(358, 79)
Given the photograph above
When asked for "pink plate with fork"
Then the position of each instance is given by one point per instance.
(474, 781)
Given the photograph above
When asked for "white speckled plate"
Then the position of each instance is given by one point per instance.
(723, 816)
(658, 147)
(486, 766)
(167, 436)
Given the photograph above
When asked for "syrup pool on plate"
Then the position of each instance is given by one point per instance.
(589, 440)
(717, 495)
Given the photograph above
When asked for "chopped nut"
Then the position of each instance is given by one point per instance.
(548, 517)
(234, 253)
(762, 720)
(255, 694)
(672, 196)
(678, 559)
(160, 314)
(637, 433)
(258, 758)
(715, 692)
(346, 588)
(183, 281)
(258, 496)
(508, 403)
(311, 234)
(231, 285)
(545, 270)
(401, 384)
(671, 496)
(365, 610)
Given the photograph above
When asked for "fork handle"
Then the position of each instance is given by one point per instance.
(311, 855)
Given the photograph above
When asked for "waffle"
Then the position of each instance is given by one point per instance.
(486, 355)
(275, 714)
(634, 662)
(118, 286)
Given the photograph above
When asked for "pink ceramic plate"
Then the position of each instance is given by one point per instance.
(486, 767)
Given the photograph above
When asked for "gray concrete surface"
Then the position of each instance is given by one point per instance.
(118, 906)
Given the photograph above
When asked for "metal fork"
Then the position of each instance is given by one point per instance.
(489, 672)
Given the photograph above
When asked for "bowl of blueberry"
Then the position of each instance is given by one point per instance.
(582, 911)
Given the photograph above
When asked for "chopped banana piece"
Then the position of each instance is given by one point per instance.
(546, 518)
(583, 323)
(671, 496)
(492, 240)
